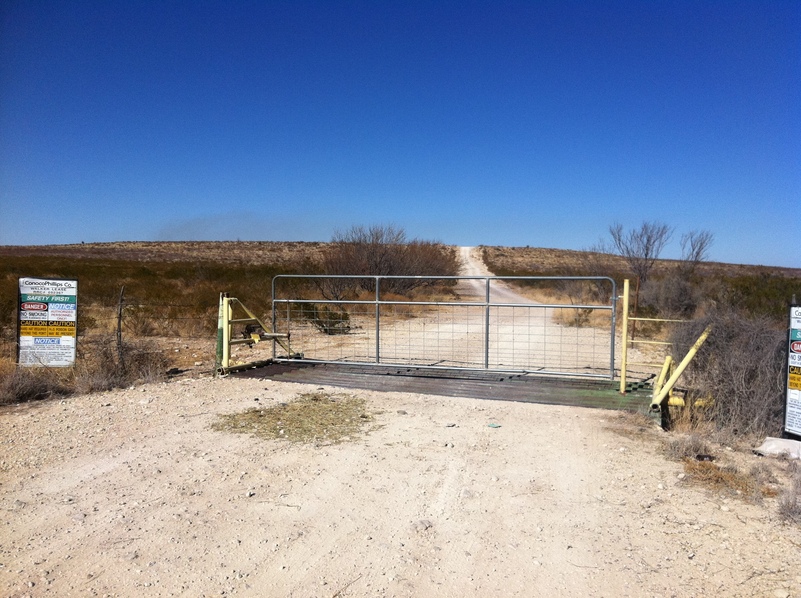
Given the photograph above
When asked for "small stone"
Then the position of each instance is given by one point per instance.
(724, 508)
(781, 594)
(422, 525)
(401, 412)
(681, 476)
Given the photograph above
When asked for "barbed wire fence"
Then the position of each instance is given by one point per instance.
(126, 320)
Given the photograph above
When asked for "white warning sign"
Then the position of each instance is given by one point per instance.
(48, 322)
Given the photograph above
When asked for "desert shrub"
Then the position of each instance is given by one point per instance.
(100, 365)
(104, 365)
(790, 499)
(672, 296)
(329, 320)
(21, 385)
(688, 446)
(640, 247)
(384, 251)
(761, 294)
(741, 366)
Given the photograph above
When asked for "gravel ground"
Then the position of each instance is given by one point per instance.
(133, 493)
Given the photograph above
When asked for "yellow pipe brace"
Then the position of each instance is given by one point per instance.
(656, 402)
(663, 374)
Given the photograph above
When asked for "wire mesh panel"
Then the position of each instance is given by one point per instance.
(532, 338)
(444, 335)
(453, 322)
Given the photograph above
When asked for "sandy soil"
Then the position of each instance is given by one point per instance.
(132, 493)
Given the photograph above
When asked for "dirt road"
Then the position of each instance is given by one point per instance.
(473, 265)
(132, 493)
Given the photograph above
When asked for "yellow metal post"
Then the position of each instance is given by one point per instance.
(656, 402)
(226, 326)
(220, 335)
(625, 340)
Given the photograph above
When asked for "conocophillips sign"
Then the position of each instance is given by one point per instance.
(48, 318)
(792, 407)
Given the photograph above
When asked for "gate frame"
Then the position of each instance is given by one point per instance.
(487, 304)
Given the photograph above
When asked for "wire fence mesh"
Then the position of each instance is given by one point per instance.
(472, 331)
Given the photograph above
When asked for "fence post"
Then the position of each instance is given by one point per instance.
(119, 329)
(487, 296)
(377, 319)
(625, 341)
(222, 324)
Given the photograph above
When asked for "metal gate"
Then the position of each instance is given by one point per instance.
(476, 323)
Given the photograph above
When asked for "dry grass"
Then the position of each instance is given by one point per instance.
(790, 500)
(559, 262)
(700, 467)
(582, 318)
(99, 366)
(686, 447)
(317, 418)
(20, 385)
(727, 479)
(224, 252)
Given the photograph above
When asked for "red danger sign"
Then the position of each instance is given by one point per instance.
(34, 306)
(795, 346)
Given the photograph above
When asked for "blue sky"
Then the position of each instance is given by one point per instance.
(501, 123)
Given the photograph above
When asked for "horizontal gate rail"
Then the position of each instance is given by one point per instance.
(479, 324)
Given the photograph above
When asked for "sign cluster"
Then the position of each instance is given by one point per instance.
(48, 318)
(792, 417)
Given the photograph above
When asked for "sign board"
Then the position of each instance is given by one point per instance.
(792, 408)
(48, 318)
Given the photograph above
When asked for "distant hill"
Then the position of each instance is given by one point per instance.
(285, 254)
(233, 252)
(546, 262)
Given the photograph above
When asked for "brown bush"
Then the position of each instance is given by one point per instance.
(741, 366)
(383, 251)
(20, 385)
(99, 366)
(104, 366)
(790, 500)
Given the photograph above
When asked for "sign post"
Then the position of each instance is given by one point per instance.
(792, 406)
(48, 318)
